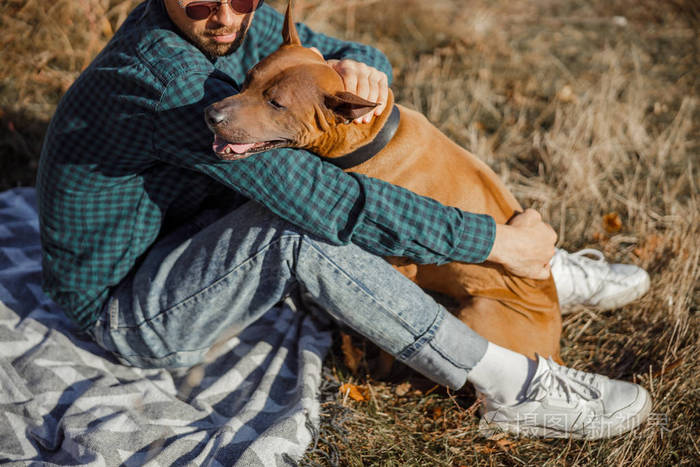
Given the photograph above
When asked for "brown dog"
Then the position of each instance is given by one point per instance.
(517, 313)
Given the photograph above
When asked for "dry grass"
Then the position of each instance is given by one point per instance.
(43, 48)
(584, 107)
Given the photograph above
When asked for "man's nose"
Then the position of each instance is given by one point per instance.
(225, 15)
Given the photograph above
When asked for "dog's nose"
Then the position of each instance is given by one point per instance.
(213, 116)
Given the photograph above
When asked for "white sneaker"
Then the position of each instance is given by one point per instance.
(564, 403)
(585, 281)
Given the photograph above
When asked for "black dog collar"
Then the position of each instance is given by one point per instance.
(369, 150)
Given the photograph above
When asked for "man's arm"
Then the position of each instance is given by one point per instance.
(339, 207)
(343, 207)
(317, 196)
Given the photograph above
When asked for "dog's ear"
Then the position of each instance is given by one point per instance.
(349, 106)
(289, 30)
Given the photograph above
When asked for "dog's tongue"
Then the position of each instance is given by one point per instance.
(221, 144)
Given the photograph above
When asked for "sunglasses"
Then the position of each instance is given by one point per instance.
(204, 9)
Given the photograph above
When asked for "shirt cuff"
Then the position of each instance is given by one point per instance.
(478, 235)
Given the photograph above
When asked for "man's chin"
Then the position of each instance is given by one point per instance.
(214, 49)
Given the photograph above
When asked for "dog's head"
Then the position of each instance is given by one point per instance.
(290, 99)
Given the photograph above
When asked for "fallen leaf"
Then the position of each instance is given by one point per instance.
(499, 435)
(505, 444)
(566, 94)
(355, 393)
(352, 356)
(485, 449)
(660, 108)
(402, 389)
(599, 237)
(383, 364)
(668, 368)
(612, 222)
(106, 27)
(648, 248)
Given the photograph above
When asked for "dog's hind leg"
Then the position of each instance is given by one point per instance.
(514, 312)
(517, 313)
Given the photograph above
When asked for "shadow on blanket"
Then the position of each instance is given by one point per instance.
(64, 400)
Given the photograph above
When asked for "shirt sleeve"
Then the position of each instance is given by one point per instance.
(268, 29)
(314, 195)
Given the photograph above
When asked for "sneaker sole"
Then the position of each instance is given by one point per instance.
(612, 302)
(623, 298)
(488, 430)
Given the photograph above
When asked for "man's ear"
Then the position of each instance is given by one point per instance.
(349, 106)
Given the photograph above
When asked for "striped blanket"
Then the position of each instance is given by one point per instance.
(65, 401)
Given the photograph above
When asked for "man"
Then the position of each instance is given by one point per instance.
(154, 246)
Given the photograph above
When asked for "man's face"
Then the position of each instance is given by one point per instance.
(218, 35)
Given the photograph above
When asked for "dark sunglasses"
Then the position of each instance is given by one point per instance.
(204, 9)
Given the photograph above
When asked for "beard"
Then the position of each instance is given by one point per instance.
(205, 41)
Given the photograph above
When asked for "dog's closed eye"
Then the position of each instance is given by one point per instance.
(275, 104)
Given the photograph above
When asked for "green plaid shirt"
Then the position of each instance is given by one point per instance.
(128, 156)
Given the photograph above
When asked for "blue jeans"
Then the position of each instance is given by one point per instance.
(225, 269)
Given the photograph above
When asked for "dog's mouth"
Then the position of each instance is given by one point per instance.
(234, 151)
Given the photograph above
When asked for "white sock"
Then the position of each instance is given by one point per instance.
(502, 375)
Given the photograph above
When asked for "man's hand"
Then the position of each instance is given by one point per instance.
(365, 81)
(525, 245)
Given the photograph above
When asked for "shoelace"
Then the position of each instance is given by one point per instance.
(563, 383)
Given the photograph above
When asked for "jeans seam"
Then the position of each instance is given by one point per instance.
(364, 290)
(208, 287)
(425, 339)
(447, 357)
